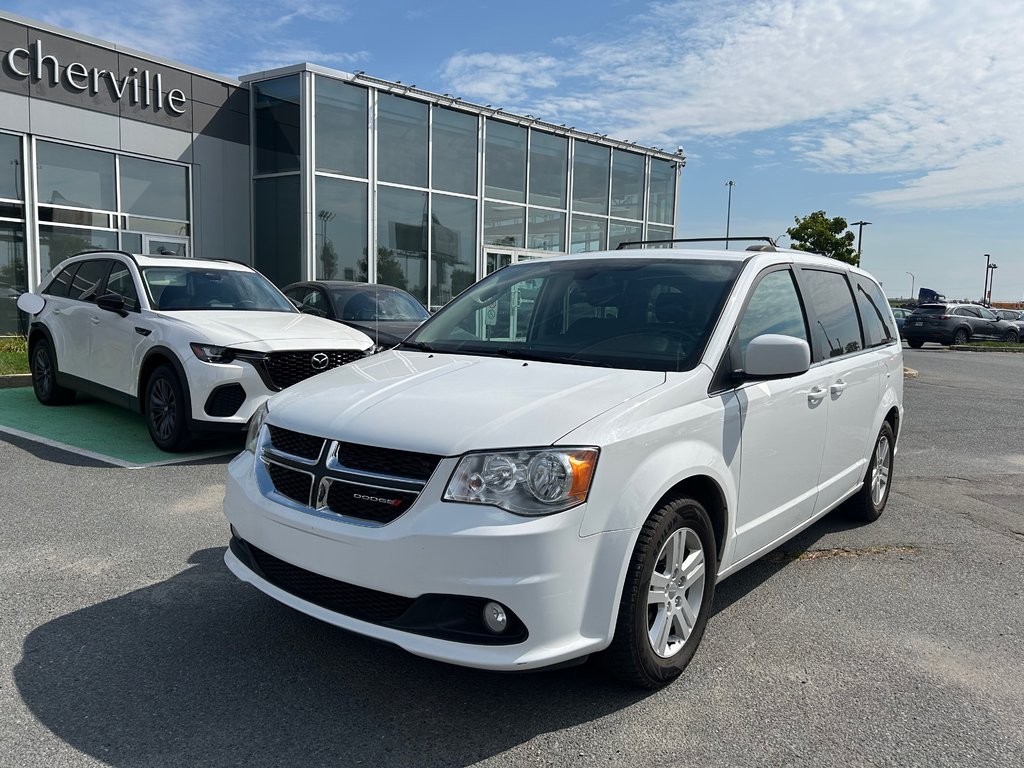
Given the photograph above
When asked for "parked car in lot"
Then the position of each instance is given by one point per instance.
(900, 314)
(195, 345)
(521, 484)
(956, 324)
(1014, 316)
(385, 314)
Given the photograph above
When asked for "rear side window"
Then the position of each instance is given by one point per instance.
(62, 282)
(966, 312)
(121, 283)
(89, 279)
(874, 314)
(774, 307)
(836, 330)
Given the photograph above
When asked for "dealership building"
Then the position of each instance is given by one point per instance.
(301, 171)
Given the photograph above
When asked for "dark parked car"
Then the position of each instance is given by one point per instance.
(384, 313)
(956, 324)
(901, 315)
(1015, 316)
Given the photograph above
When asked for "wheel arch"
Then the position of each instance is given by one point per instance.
(36, 332)
(709, 493)
(153, 359)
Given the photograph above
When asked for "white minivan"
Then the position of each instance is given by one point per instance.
(568, 457)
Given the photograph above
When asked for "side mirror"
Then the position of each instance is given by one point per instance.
(31, 303)
(112, 302)
(773, 356)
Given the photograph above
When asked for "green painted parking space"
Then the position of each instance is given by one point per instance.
(93, 428)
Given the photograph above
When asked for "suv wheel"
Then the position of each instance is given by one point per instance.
(961, 336)
(666, 599)
(44, 376)
(1011, 337)
(915, 343)
(867, 505)
(167, 411)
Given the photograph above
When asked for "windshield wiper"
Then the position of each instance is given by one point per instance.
(419, 346)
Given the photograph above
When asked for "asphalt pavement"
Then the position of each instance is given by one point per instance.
(124, 641)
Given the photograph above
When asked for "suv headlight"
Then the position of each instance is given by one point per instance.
(252, 436)
(528, 481)
(210, 353)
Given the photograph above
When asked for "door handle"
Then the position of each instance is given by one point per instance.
(57, 312)
(817, 394)
(94, 320)
(838, 387)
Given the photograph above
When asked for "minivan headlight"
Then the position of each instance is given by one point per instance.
(528, 481)
(252, 436)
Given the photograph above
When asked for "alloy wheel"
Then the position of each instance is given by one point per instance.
(43, 370)
(675, 592)
(162, 408)
(880, 471)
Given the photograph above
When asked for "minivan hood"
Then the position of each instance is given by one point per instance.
(269, 331)
(450, 404)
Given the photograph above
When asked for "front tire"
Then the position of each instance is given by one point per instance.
(44, 376)
(667, 596)
(167, 411)
(869, 502)
(1011, 337)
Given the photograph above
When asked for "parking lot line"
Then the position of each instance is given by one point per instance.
(90, 428)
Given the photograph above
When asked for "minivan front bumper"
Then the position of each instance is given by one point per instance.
(421, 581)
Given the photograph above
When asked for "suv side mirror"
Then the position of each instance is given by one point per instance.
(773, 356)
(112, 302)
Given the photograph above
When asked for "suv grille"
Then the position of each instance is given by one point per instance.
(358, 482)
(287, 368)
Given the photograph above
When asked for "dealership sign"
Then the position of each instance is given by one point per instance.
(139, 87)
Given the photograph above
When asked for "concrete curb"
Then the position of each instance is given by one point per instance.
(16, 380)
(968, 348)
(909, 373)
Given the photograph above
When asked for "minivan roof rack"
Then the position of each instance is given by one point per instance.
(766, 240)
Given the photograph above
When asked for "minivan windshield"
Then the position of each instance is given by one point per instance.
(652, 314)
(190, 288)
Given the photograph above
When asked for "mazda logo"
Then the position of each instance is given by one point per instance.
(319, 361)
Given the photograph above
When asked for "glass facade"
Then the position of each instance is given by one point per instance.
(278, 119)
(341, 128)
(405, 189)
(277, 237)
(13, 256)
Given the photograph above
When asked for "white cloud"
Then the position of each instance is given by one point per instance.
(185, 30)
(922, 87)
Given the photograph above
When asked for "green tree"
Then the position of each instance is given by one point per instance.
(819, 234)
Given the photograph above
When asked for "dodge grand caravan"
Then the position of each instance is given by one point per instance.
(567, 458)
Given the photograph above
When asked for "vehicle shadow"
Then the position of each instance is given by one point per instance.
(202, 669)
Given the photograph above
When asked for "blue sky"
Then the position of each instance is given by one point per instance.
(904, 113)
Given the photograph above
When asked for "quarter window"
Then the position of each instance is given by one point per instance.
(874, 313)
(774, 307)
(836, 330)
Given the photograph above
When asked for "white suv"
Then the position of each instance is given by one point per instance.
(567, 457)
(195, 345)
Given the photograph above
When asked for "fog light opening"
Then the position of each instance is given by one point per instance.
(495, 618)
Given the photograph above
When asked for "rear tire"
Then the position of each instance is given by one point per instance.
(167, 411)
(666, 599)
(915, 344)
(44, 376)
(961, 336)
(869, 502)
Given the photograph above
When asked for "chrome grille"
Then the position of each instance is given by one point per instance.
(358, 483)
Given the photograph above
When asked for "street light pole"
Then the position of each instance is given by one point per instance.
(992, 278)
(860, 231)
(728, 212)
(911, 285)
(984, 291)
